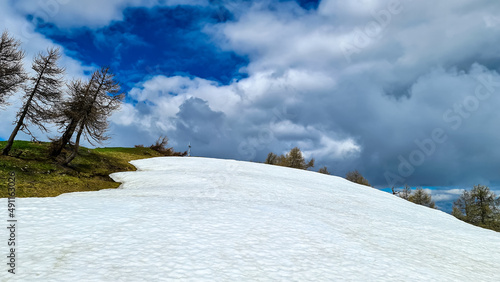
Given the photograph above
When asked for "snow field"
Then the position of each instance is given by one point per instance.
(198, 219)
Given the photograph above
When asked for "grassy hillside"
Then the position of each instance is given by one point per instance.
(39, 176)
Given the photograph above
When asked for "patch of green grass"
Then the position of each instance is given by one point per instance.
(37, 175)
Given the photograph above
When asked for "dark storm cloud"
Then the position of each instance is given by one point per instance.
(407, 71)
(196, 122)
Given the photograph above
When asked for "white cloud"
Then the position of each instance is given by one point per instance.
(252, 107)
(330, 148)
(349, 8)
(89, 13)
(492, 21)
(33, 42)
(171, 92)
(444, 197)
(125, 116)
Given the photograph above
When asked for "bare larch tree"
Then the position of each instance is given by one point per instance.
(12, 74)
(70, 112)
(40, 96)
(88, 110)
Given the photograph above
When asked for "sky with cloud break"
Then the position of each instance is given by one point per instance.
(404, 91)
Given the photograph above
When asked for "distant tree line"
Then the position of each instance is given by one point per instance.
(81, 109)
(295, 159)
(419, 196)
(479, 206)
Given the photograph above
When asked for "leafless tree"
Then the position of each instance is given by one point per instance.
(69, 113)
(40, 96)
(89, 108)
(12, 74)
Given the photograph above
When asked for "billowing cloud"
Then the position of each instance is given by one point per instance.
(90, 13)
(364, 85)
(226, 119)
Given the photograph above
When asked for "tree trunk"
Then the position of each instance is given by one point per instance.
(75, 149)
(58, 145)
(20, 122)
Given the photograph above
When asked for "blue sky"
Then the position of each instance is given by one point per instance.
(407, 92)
(148, 42)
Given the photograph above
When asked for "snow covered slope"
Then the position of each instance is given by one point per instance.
(197, 219)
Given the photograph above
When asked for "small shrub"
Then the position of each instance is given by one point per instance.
(419, 196)
(404, 194)
(356, 177)
(160, 146)
(324, 170)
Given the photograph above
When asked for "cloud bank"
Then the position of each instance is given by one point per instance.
(404, 91)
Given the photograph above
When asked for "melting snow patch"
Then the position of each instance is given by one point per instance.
(197, 219)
